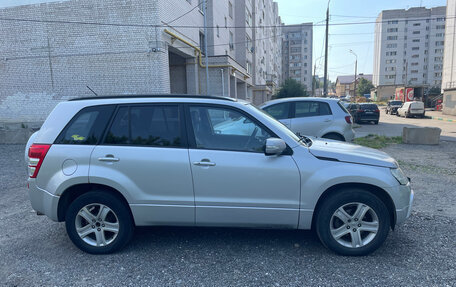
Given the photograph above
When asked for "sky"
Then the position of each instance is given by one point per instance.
(359, 38)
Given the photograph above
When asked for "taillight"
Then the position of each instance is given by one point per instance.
(360, 111)
(377, 110)
(36, 154)
(348, 119)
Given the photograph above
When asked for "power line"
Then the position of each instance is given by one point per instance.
(186, 13)
(211, 27)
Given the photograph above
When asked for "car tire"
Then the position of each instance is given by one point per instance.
(386, 111)
(98, 222)
(334, 136)
(341, 217)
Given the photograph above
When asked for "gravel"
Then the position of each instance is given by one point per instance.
(35, 251)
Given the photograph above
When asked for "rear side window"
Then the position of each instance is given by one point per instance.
(342, 107)
(151, 125)
(279, 111)
(86, 128)
(311, 109)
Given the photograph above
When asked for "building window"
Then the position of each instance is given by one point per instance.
(439, 43)
(416, 32)
(415, 56)
(439, 35)
(248, 17)
(438, 59)
(416, 24)
(393, 22)
(391, 30)
(440, 19)
(389, 69)
(391, 38)
(392, 61)
(392, 53)
(439, 51)
(414, 79)
(230, 9)
(414, 71)
(231, 41)
(390, 77)
(440, 27)
(415, 48)
(416, 40)
(201, 39)
(439, 74)
(249, 67)
(218, 31)
(414, 64)
(391, 45)
(248, 42)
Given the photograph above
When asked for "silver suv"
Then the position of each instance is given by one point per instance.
(318, 117)
(105, 165)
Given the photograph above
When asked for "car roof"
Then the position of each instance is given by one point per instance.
(295, 99)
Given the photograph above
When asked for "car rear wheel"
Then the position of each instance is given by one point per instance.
(99, 223)
(352, 222)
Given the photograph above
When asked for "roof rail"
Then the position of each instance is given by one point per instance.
(155, 96)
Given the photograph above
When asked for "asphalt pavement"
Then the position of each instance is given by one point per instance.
(35, 251)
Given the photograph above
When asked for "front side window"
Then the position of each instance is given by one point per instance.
(279, 111)
(87, 126)
(226, 129)
(311, 109)
(150, 125)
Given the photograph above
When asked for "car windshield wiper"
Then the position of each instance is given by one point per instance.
(306, 140)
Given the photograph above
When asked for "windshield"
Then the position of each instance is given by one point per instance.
(396, 103)
(276, 123)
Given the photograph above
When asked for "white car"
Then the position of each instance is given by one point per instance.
(411, 109)
(318, 117)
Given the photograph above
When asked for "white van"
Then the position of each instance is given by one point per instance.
(410, 109)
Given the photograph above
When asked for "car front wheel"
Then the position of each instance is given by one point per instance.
(353, 222)
(99, 223)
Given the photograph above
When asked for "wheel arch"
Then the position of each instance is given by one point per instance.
(73, 192)
(375, 190)
(338, 134)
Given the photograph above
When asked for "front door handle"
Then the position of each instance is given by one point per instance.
(108, 158)
(204, 162)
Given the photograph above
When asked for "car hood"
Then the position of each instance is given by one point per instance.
(346, 152)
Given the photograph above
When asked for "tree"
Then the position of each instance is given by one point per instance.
(291, 88)
(364, 87)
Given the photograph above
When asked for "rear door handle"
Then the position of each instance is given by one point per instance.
(108, 158)
(204, 163)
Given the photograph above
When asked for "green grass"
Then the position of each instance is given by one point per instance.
(376, 141)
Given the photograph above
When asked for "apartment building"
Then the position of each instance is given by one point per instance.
(297, 53)
(449, 61)
(408, 48)
(134, 47)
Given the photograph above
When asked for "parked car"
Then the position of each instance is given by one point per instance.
(392, 106)
(318, 117)
(107, 164)
(411, 109)
(367, 112)
(352, 109)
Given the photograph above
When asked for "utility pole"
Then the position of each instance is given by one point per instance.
(314, 81)
(325, 85)
(205, 46)
(356, 73)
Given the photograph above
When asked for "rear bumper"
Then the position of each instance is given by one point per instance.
(42, 201)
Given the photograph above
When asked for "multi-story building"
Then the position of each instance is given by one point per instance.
(134, 47)
(449, 61)
(297, 53)
(408, 49)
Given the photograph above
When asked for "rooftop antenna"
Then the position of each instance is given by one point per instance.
(92, 91)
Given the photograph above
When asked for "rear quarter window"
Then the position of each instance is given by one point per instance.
(87, 126)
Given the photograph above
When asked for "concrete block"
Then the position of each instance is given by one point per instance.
(421, 135)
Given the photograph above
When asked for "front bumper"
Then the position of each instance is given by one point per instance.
(404, 212)
(42, 201)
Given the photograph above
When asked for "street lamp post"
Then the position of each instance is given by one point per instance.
(356, 73)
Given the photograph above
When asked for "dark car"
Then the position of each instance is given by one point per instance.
(392, 106)
(367, 113)
(352, 108)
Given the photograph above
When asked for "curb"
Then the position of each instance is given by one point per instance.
(443, 119)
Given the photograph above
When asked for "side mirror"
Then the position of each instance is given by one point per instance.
(274, 146)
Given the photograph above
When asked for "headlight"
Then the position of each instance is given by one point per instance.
(399, 175)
